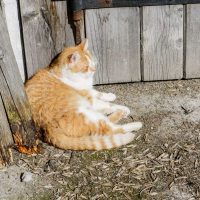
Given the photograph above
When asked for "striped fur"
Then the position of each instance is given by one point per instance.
(95, 142)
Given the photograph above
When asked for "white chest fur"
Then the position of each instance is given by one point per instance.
(79, 81)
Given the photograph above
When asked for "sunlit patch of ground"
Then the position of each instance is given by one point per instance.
(162, 163)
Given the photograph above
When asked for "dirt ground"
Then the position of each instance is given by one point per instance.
(162, 163)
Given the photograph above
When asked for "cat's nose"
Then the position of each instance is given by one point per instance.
(92, 69)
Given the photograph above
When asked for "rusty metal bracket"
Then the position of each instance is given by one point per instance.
(78, 18)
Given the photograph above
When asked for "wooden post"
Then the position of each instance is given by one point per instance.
(14, 105)
(6, 139)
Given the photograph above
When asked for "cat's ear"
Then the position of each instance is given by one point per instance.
(74, 58)
(84, 44)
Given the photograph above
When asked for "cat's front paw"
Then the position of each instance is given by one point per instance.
(108, 96)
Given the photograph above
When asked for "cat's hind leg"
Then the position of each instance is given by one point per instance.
(116, 116)
(104, 124)
(89, 129)
(117, 111)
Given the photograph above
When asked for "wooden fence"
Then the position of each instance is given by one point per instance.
(131, 44)
(15, 113)
(145, 44)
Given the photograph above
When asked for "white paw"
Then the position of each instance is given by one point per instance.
(134, 126)
(108, 97)
(124, 109)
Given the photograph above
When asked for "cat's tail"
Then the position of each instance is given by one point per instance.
(97, 142)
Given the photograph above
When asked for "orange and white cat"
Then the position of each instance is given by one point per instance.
(71, 112)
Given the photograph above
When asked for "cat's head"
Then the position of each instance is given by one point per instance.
(75, 61)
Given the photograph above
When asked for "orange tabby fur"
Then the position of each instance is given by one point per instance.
(55, 106)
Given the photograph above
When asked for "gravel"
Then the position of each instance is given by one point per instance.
(162, 163)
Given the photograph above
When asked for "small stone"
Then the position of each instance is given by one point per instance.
(26, 177)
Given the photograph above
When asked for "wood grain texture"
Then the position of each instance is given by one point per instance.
(46, 31)
(114, 37)
(6, 139)
(193, 42)
(11, 110)
(163, 42)
(12, 21)
(13, 82)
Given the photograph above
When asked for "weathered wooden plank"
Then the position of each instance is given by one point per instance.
(114, 36)
(193, 42)
(46, 31)
(10, 73)
(12, 21)
(6, 139)
(162, 42)
(11, 110)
